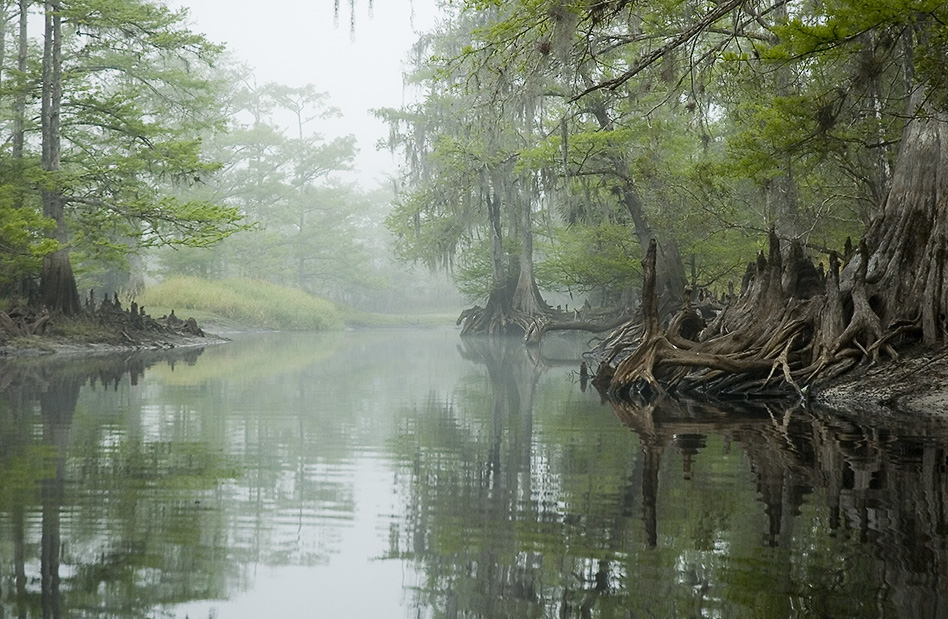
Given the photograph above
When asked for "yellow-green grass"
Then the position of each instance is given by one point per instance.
(243, 302)
(356, 319)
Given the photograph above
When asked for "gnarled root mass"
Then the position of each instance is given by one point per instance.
(792, 326)
(497, 318)
(132, 321)
(130, 326)
(21, 320)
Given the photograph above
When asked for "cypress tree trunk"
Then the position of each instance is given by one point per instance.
(3, 38)
(58, 291)
(495, 318)
(669, 267)
(498, 279)
(527, 297)
(905, 275)
(19, 104)
(510, 310)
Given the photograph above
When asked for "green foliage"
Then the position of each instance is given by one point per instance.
(139, 94)
(23, 229)
(464, 196)
(248, 302)
(422, 233)
(590, 258)
(788, 118)
(827, 102)
(140, 97)
(474, 273)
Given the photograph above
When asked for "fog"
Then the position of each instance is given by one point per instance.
(359, 61)
(358, 57)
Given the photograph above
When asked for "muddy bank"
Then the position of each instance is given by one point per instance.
(915, 384)
(65, 345)
(100, 329)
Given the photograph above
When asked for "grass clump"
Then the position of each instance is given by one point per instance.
(251, 303)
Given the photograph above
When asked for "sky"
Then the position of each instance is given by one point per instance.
(295, 42)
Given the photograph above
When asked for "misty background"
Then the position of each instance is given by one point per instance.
(359, 59)
(355, 53)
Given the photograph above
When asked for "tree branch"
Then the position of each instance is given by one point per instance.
(682, 38)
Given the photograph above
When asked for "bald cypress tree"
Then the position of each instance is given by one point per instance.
(125, 96)
(791, 327)
(58, 283)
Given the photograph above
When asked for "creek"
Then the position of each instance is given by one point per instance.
(410, 473)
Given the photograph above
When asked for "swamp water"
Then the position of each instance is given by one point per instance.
(412, 474)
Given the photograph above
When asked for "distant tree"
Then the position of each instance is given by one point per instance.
(281, 172)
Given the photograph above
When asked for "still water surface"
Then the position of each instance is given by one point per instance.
(412, 474)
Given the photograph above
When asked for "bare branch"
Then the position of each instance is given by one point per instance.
(681, 39)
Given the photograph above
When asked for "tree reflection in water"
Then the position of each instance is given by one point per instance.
(729, 510)
(515, 494)
(123, 552)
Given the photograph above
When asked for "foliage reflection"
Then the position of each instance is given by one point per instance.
(527, 502)
(480, 471)
(113, 515)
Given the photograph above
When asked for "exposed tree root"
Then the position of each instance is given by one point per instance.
(20, 320)
(792, 327)
(543, 324)
(770, 343)
(496, 319)
(130, 326)
(530, 318)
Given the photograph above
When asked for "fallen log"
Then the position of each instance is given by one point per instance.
(24, 322)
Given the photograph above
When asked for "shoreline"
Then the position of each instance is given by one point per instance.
(915, 384)
(63, 346)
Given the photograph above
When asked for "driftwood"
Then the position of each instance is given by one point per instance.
(21, 321)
